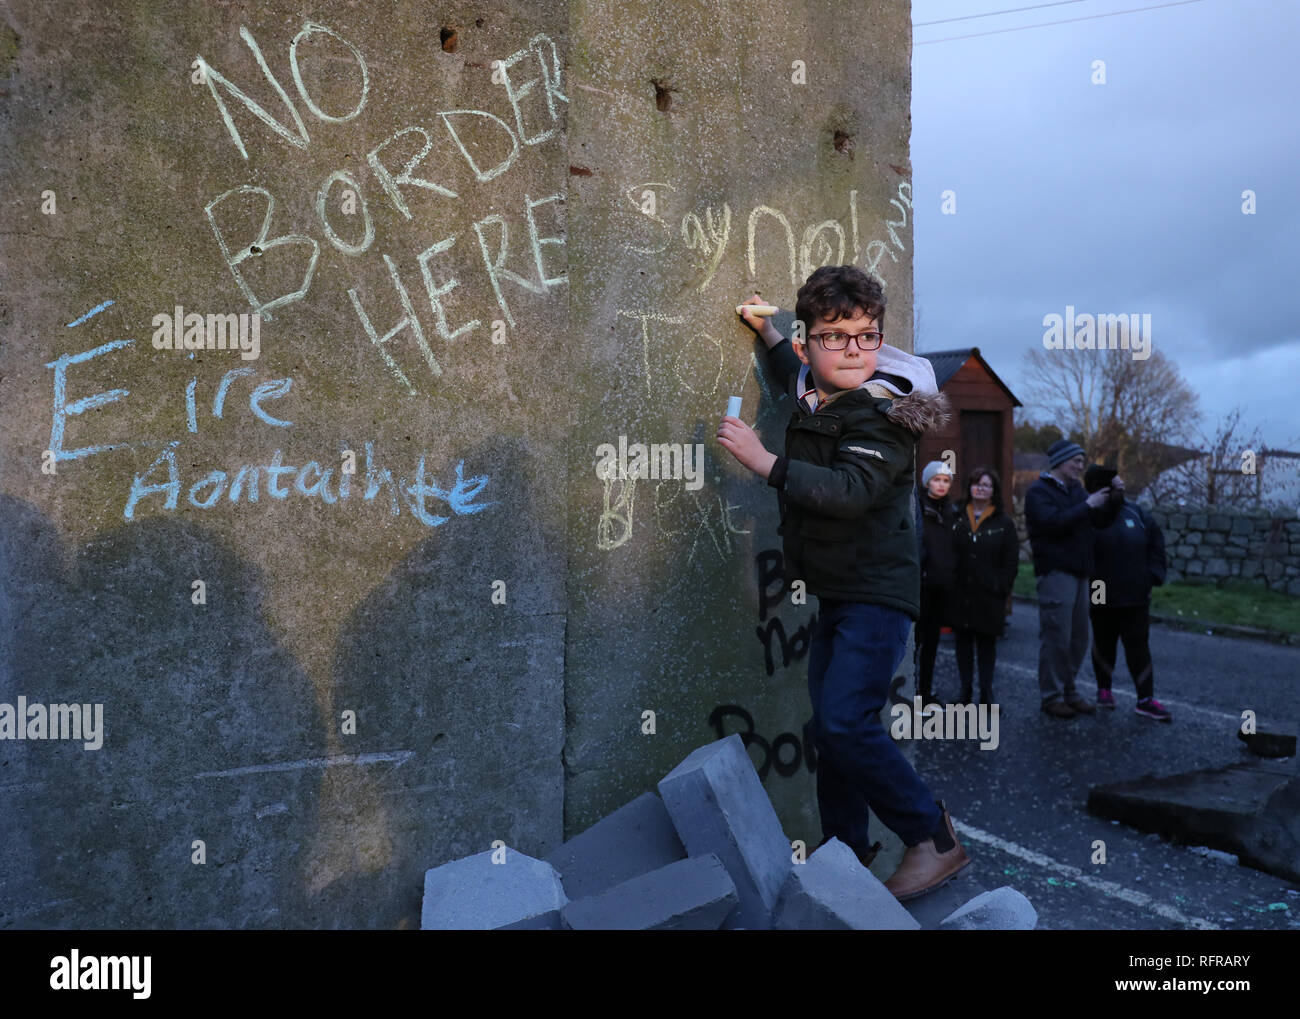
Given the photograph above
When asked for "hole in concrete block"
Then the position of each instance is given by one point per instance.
(844, 143)
(663, 94)
(449, 39)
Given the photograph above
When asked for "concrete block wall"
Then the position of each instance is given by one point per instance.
(431, 626)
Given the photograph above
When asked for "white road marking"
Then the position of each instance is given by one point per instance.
(1025, 670)
(1108, 888)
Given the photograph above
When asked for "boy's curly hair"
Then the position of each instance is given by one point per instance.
(838, 291)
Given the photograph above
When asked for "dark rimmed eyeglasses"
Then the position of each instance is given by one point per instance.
(836, 340)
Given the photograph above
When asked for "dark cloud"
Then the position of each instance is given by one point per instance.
(1122, 197)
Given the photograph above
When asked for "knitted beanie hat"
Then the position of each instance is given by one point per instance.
(1061, 450)
(931, 469)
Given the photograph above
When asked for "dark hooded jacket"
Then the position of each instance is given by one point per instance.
(847, 481)
(938, 560)
(1129, 556)
(987, 560)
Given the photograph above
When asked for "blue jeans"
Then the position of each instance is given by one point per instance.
(853, 653)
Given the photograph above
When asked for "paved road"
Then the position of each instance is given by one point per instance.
(1021, 808)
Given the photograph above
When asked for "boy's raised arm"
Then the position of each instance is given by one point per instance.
(780, 354)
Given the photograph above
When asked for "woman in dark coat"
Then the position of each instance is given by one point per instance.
(987, 552)
(937, 516)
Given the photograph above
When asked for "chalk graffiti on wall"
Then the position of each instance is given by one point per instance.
(702, 518)
(675, 356)
(244, 484)
(707, 232)
(535, 106)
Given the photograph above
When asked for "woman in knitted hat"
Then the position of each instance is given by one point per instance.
(987, 554)
(937, 516)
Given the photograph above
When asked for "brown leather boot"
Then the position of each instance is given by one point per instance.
(928, 865)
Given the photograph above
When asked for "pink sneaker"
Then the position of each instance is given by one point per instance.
(1152, 708)
(1105, 699)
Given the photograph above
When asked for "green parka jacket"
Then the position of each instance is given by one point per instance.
(846, 482)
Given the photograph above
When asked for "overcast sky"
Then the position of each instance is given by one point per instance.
(1122, 197)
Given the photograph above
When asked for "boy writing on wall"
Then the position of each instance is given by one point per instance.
(844, 487)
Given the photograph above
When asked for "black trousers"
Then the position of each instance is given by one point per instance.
(1132, 625)
(933, 608)
(969, 645)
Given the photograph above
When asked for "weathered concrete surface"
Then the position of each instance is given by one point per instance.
(350, 706)
(1251, 810)
(225, 721)
(671, 611)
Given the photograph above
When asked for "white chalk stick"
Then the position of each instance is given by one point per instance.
(733, 406)
(758, 309)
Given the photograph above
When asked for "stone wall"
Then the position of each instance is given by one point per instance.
(1209, 545)
(1212, 544)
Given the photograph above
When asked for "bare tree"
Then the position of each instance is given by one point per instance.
(1120, 409)
(1233, 472)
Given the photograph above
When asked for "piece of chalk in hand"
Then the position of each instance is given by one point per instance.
(733, 406)
(758, 309)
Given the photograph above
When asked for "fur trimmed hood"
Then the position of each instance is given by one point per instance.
(920, 412)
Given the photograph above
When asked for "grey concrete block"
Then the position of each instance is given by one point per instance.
(476, 894)
(637, 838)
(718, 806)
(1003, 909)
(833, 891)
(696, 894)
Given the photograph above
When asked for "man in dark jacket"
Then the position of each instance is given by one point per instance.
(844, 487)
(1060, 518)
(1128, 559)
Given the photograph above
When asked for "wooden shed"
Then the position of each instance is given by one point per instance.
(981, 429)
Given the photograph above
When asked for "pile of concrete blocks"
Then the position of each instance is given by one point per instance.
(706, 853)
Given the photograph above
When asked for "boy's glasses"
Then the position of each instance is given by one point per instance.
(839, 341)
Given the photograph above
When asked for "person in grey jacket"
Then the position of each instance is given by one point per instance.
(1060, 518)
